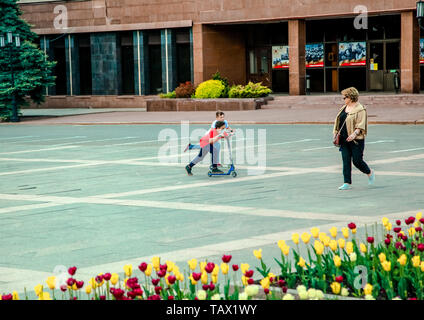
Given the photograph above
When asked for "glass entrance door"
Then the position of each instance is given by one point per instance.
(259, 67)
(384, 60)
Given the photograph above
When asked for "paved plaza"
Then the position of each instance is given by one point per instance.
(99, 197)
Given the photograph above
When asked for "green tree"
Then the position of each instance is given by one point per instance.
(32, 69)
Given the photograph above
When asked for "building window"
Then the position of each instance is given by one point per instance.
(183, 55)
(155, 62)
(59, 55)
(84, 54)
(127, 63)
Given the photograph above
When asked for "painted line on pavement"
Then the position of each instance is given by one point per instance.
(39, 150)
(29, 207)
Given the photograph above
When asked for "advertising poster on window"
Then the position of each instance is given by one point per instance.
(352, 54)
(314, 55)
(280, 57)
(422, 51)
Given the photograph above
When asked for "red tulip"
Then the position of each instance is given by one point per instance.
(154, 297)
(158, 289)
(211, 286)
(418, 229)
(7, 297)
(63, 288)
(209, 267)
(72, 270)
(101, 298)
(398, 245)
(351, 226)
(235, 267)
(117, 293)
(422, 220)
(107, 276)
(79, 284)
(281, 283)
(196, 276)
(205, 287)
(409, 220)
(248, 273)
(404, 238)
(163, 267)
(420, 247)
(387, 241)
(70, 282)
(339, 279)
(397, 229)
(155, 281)
(250, 281)
(226, 259)
(266, 290)
(398, 222)
(172, 279)
(143, 266)
(99, 279)
(161, 273)
(284, 289)
(170, 297)
(370, 240)
(137, 292)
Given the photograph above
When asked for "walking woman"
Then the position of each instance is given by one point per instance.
(353, 123)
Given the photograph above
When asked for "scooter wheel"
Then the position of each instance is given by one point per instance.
(234, 174)
(210, 173)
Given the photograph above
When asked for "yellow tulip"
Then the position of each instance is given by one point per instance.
(38, 289)
(321, 236)
(244, 280)
(88, 289)
(411, 231)
(389, 226)
(215, 270)
(305, 237)
(382, 257)
(402, 260)
(301, 262)
(333, 245)
(345, 232)
(353, 231)
(422, 266)
(74, 287)
(419, 215)
(363, 248)
(342, 243)
(44, 296)
(204, 277)
(416, 224)
(333, 232)
(180, 276)
(258, 254)
(319, 247)
(271, 275)
(416, 261)
(202, 266)
(281, 243)
(337, 261)
(335, 287)
(295, 238)
(101, 283)
(315, 232)
(326, 241)
(149, 270)
(93, 283)
(285, 250)
(169, 266)
(244, 267)
(193, 282)
(385, 221)
(214, 279)
(128, 270)
(192, 264)
(156, 263)
(224, 268)
(349, 247)
(265, 283)
(15, 295)
(368, 289)
(387, 265)
(51, 282)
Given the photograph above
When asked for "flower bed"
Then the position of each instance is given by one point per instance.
(391, 269)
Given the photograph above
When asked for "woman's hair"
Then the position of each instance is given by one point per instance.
(219, 124)
(352, 93)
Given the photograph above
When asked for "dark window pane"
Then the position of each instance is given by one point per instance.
(183, 63)
(392, 27)
(315, 31)
(85, 64)
(376, 28)
(352, 77)
(59, 55)
(393, 55)
(127, 63)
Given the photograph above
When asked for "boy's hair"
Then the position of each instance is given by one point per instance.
(219, 113)
(219, 124)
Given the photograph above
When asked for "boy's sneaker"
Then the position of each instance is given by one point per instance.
(188, 147)
(371, 178)
(345, 186)
(216, 170)
(188, 169)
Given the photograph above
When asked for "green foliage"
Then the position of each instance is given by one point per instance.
(32, 70)
(210, 89)
(251, 90)
(169, 95)
(217, 76)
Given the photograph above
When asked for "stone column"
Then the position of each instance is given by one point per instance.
(198, 61)
(410, 53)
(141, 63)
(297, 71)
(105, 64)
(72, 65)
(169, 59)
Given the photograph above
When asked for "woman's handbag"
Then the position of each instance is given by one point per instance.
(336, 140)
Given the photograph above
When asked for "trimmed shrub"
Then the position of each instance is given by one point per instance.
(217, 76)
(210, 89)
(185, 90)
(169, 95)
(251, 90)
